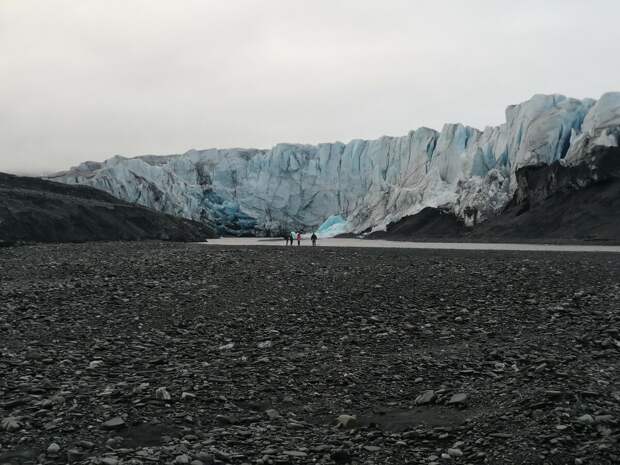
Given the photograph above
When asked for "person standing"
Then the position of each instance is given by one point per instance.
(287, 237)
(292, 237)
(298, 238)
(313, 238)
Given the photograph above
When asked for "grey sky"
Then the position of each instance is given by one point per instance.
(85, 80)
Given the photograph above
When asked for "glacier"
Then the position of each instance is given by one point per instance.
(332, 226)
(362, 185)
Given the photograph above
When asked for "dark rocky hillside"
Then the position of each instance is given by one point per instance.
(33, 209)
(554, 203)
(430, 223)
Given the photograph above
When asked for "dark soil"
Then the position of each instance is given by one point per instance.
(260, 350)
(36, 210)
(430, 223)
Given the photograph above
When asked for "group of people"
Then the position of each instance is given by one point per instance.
(296, 236)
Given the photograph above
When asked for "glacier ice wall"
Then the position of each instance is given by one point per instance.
(368, 182)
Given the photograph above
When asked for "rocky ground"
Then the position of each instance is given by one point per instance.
(33, 209)
(145, 353)
(554, 203)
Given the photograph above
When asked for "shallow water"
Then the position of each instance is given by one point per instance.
(332, 242)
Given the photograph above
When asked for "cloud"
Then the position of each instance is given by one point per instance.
(89, 79)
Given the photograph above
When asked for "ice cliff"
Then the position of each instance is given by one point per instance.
(369, 183)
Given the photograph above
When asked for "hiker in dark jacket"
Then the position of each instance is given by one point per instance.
(313, 238)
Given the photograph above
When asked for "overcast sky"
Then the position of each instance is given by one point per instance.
(85, 80)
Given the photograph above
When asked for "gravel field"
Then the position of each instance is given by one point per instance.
(145, 353)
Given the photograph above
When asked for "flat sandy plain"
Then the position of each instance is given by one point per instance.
(129, 353)
(386, 244)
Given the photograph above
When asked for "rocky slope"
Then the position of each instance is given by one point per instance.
(556, 202)
(369, 183)
(430, 223)
(33, 209)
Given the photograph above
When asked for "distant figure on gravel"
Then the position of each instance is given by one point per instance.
(298, 238)
(313, 238)
(287, 237)
(292, 237)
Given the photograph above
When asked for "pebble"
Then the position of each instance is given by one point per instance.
(205, 457)
(346, 421)
(372, 448)
(182, 459)
(10, 424)
(586, 418)
(425, 398)
(273, 414)
(114, 423)
(187, 396)
(162, 393)
(53, 449)
(459, 398)
(95, 364)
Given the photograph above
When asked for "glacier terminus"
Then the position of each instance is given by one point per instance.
(362, 185)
